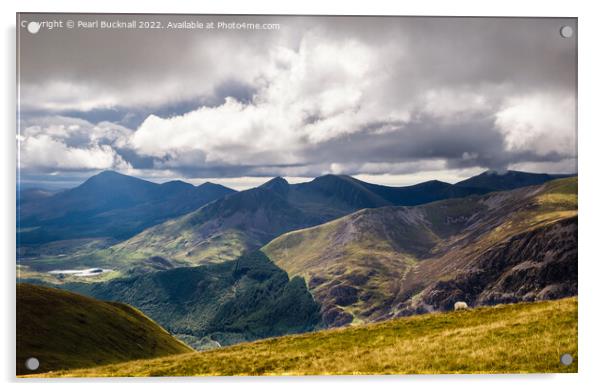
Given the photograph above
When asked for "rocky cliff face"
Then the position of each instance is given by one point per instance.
(535, 265)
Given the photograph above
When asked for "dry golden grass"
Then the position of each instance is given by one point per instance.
(517, 338)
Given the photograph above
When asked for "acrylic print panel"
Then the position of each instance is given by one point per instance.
(208, 195)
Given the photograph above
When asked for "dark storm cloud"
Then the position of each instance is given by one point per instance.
(445, 50)
(133, 116)
(474, 142)
(398, 93)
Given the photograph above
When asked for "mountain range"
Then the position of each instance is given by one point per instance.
(227, 224)
(107, 205)
(287, 258)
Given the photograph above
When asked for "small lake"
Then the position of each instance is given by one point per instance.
(81, 272)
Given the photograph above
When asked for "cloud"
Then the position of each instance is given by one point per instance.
(43, 152)
(304, 97)
(92, 69)
(539, 122)
(359, 96)
(62, 143)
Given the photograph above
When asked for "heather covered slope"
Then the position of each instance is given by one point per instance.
(516, 338)
(65, 330)
(379, 263)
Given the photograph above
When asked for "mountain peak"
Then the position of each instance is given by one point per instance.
(503, 172)
(334, 178)
(114, 179)
(177, 185)
(277, 184)
(209, 185)
(216, 188)
(108, 174)
(495, 180)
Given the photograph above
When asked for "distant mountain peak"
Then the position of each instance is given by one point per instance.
(216, 188)
(501, 172)
(108, 174)
(332, 176)
(496, 180)
(111, 177)
(177, 185)
(177, 181)
(278, 184)
(209, 184)
(433, 182)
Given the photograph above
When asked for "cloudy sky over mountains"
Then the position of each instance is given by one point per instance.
(390, 100)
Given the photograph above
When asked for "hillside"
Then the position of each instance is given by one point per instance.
(517, 338)
(230, 302)
(64, 330)
(109, 205)
(247, 220)
(374, 264)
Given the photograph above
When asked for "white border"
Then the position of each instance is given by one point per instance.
(590, 166)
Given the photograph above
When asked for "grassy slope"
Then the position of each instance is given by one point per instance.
(513, 338)
(370, 250)
(66, 330)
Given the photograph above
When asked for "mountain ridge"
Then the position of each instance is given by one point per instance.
(246, 220)
(495, 181)
(384, 262)
(111, 205)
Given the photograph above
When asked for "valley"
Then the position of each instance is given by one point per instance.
(338, 251)
(227, 303)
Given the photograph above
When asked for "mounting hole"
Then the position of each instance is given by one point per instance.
(566, 359)
(566, 31)
(32, 363)
(33, 27)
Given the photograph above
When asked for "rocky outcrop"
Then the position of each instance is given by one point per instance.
(535, 265)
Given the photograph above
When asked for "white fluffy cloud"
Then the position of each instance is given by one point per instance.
(63, 143)
(43, 152)
(305, 97)
(540, 122)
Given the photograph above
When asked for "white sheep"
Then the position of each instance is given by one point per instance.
(460, 305)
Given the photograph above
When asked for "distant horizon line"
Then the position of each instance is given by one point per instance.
(255, 181)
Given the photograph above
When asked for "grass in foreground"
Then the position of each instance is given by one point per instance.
(517, 338)
(65, 330)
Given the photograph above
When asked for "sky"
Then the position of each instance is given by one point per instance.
(389, 100)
